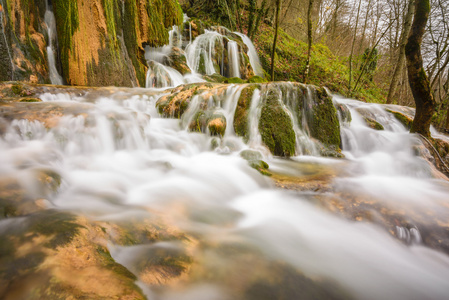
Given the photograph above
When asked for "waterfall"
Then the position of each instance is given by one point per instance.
(6, 40)
(234, 59)
(200, 53)
(159, 75)
(252, 54)
(55, 78)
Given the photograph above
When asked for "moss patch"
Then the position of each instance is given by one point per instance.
(276, 127)
(405, 120)
(323, 121)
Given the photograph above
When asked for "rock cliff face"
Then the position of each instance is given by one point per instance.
(23, 41)
(101, 42)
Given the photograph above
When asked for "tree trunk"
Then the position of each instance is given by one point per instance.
(309, 40)
(352, 48)
(401, 60)
(417, 77)
(262, 12)
(278, 8)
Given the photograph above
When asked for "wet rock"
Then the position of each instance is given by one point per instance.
(405, 119)
(344, 112)
(323, 120)
(177, 61)
(276, 126)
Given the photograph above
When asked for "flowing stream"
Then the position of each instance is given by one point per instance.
(122, 161)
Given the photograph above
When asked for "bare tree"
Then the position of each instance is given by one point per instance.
(418, 79)
(276, 29)
(401, 60)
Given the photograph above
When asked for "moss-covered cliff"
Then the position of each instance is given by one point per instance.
(101, 42)
(23, 43)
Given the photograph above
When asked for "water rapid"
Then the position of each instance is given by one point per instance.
(119, 162)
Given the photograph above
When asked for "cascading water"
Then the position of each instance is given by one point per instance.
(55, 78)
(159, 75)
(234, 59)
(252, 54)
(119, 162)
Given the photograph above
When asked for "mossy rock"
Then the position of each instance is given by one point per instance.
(345, 113)
(373, 124)
(256, 79)
(275, 126)
(30, 100)
(217, 124)
(405, 120)
(217, 78)
(234, 80)
(214, 122)
(323, 119)
(177, 61)
(241, 126)
(255, 161)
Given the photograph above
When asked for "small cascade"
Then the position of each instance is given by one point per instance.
(159, 74)
(252, 54)
(2, 22)
(255, 139)
(234, 59)
(201, 52)
(55, 78)
(175, 37)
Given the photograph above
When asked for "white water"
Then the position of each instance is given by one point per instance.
(55, 78)
(234, 59)
(121, 161)
(252, 54)
(160, 75)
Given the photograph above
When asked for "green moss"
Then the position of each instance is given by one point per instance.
(241, 126)
(323, 121)
(276, 127)
(17, 89)
(109, 263)
(30, 100)
(406, 121)
(217, 124)
(373, 124)
(234, 80)
(256, 79)
(60, 226)
(67, 23)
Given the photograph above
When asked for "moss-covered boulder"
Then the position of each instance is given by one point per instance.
(275, 125)
(177, 60)
(209, 121)
(323, 119)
